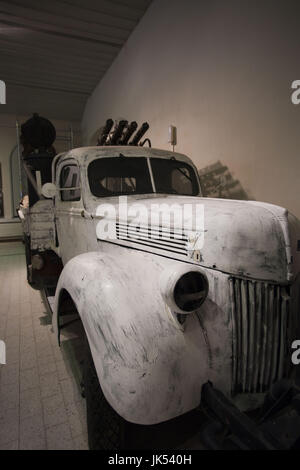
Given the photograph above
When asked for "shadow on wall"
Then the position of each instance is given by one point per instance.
(217, 181)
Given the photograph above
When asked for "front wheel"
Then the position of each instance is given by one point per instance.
(29, 272)
(106, 429)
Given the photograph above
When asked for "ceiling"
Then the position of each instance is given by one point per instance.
(53, 53)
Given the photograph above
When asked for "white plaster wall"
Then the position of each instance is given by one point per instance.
(221, 71)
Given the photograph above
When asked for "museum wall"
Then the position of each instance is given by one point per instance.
(222, 75)
(9, 224)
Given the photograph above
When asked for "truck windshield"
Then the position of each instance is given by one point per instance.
(174, 177)
(114, 176)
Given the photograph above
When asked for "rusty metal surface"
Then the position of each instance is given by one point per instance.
(41, 225)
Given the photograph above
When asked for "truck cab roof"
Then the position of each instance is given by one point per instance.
(82, 154)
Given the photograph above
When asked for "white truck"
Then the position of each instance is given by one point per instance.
(167, 301)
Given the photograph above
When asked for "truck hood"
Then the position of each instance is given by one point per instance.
(251, 239)
(243, 238)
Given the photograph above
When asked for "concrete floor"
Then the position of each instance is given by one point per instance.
(40, 403)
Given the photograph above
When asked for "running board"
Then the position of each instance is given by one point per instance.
(48, 296)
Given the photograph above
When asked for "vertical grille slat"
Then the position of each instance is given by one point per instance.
(269, 336)
(252, 322)
(264, 333)
(239, 331)
(245, 325)
(276, 337)
(283, 329)
(289, 332)
(258, 334)
(234, 331)
(263, 328)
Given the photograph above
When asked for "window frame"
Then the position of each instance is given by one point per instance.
(148, 159)
(123, 193)
(71, 188)
(187, 165)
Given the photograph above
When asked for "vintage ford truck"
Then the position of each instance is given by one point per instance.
(164, 308)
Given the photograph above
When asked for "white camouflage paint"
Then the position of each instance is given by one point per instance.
(150, 367)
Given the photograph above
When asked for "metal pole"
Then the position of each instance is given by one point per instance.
(12, 180)
(32, 180)
(19, 159)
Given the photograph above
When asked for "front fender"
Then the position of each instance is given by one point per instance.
(150, 369)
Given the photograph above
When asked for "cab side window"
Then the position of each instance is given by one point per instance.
(70, 178)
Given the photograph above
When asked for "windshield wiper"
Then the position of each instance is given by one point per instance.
(181, 171)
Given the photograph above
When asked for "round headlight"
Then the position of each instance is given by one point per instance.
(190, 291)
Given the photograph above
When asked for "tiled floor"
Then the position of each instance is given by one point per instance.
(40, 403)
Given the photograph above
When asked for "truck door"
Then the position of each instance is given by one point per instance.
(68, 209)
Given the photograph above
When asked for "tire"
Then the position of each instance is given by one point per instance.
(31, 276)
(106, 429)
(28, 259)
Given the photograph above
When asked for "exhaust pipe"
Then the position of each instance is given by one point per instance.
(105, 131)
(128, 133)
(142, 130)
(117, 133)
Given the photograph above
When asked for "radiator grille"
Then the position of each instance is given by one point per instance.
(263, 331)
(157, 238)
